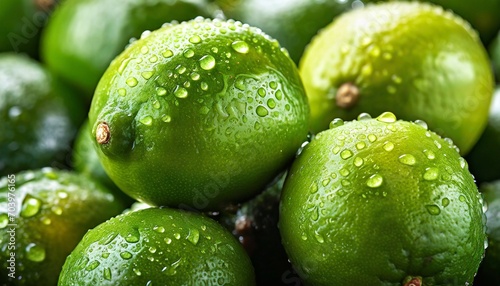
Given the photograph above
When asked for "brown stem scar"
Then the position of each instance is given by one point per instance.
(347, 95)
(414, 281)
(102, 133)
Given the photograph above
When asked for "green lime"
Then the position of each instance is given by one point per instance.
(488, 274)
(43, 215)
(83, 36)
(293, 23)
(413, 59)
(381, 201)
(199, 114)
(480, 158)
(38, 125)
(158, 247)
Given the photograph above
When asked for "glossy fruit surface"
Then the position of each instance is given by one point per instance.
(199, 114)
(380, 201)
(83, 36)
(413, 59)
(37, 125)
(158, 247)
(43, 215)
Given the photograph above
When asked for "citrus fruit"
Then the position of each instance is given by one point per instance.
(199, 114)
(381, 201)
(488, 273)
(158, 247)
(43, 215)
(487, 147)
(37, 125)
(482, 14)
(292, 23)
(83, 36)
(413, 59)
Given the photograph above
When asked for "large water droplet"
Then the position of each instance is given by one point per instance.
(271, 103)
(132, 238)
(421, 123)
(445, 202)
(181, 92)
(360, 145)
(31, 206)
(346, 154)
(193, 236)
(147, 74)
(336, 123)
(35, 252)
(93, 265)
(387, 117)
(207, 62)
(364, 116)
(167, 240)
(433, 209)
(431, 173)
(240, 47)
(388, 146)
(358, 161)
(147, 120)
(319, 237)
(407, 159)
(262, 111)
(167, 54)
(132, 81)
(188, 53)
(375, 181)
(372, 138)
(195, 39)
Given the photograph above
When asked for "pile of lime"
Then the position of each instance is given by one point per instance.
(233, 142)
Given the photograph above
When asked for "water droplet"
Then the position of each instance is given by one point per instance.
(93, 265)
(433, 209)
(193, 236)
(325, 182)
(167, 240)
(172, 270)
(358, 161)
(372, 138)
(261, 92)
(461, 198)
(360, 145)
(271, 103)
(388, 146)
(431, 174)
(132, 238)
(407, 159)
(105, 255)
(166, 118)
(4, 220)
(279, 96)
(35, 252)
(336, 123)
(315, 213)
(445, 202)
(314, 189)
(375, 181)
(336, 150)
(346, 154)
(319, 237)
(153, 59)
(107, 273)
(364, 116)
(207, 62)
(148, 120)
(345, 183)
(180, 92)
(144, 50)
(188, 53)
(204, 86)
(463, 162)
(122, 91)
(147, 74)
(438, 145)
(161, 91)
(262, 111)
(387, 117)
(240, 47)
(159, 229)
(132, 81)
(45, 221)
(167, 54)
(303, 237)
(30, 207)
(430, 155)
(422, 124)
(177, 235)
(195, 39)
(126, 255)
(344, 172)
(137, 271)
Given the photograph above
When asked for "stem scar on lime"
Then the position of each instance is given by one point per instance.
(347, 95)
(102, 134)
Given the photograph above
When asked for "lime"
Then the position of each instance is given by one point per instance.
(199, 114)
(43, 215)
(413, 59)
(38, 124)
(158, 247)
(83, 36)
(382, 202)
(487, 147)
